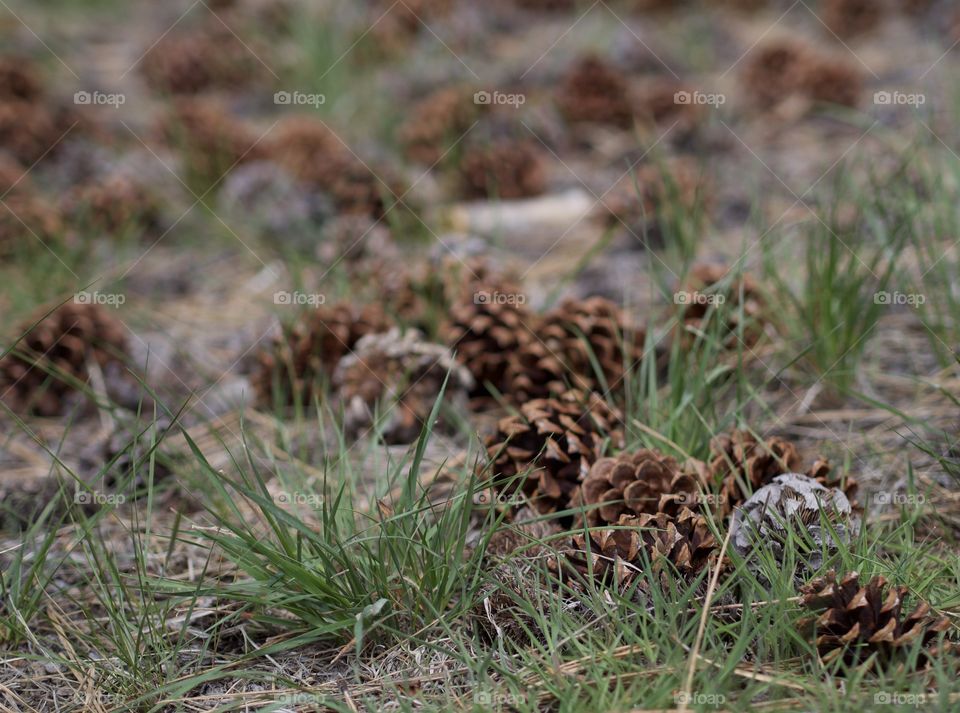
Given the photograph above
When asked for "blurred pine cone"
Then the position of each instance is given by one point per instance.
(313, 154)
(210, 140)
(855, 621)
(505, 169)
(18, 80)
(436, 123)
(555, 440)
(405, 375)
(594, 91)
(742, 306)
(35, 377)
(290, 370)
(780, 70)
(657, 102)
(29, 129)
(211, 57)
(28, 221)
(115, 205)
(645, 482)
(847, 18)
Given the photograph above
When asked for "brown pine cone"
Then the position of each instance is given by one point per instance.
(18, 80)
(210, 140)
(13, 176)
(589, 332)
(555, 440)
(847, 18)
(436, 123)
(740, 464)
(855, 621)
(290, 369)
(505, 169)
(404, 374)
(27, 223)
(645, 482)
(117, 204)
(193, 62)
(657, 103)
(683, 542)
(487, 334)
(594, 91)
(743, 295)
(780, 70)
(28, 130)
(35, 377)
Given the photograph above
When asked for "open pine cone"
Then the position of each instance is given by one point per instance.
(594, 91)
(405, 375)
(35, 377)
(18, 80)
(505, 169)
(556, 440)
(683, 542)
(740, 464)
(644, 482)
(855, 621)
(291, 368)
(595, 330)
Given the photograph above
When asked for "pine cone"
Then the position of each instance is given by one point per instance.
(313, 154)
(645, 482)
(30, 129)
(855, 621)
(738, 459)
(117, 204)
(310, 351)
(436, 123)
(595, 92)
(19, 80)
(27, 222)
(193, 62)
(782, 70)
(848, 18)
(506, 169)
(681, 542)
(404, 374)
(657, 103)
(557, 440)
(488, 335)
(210, 140)
(34, 377)
(743, 295)
(13, 176)
(594, 331)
